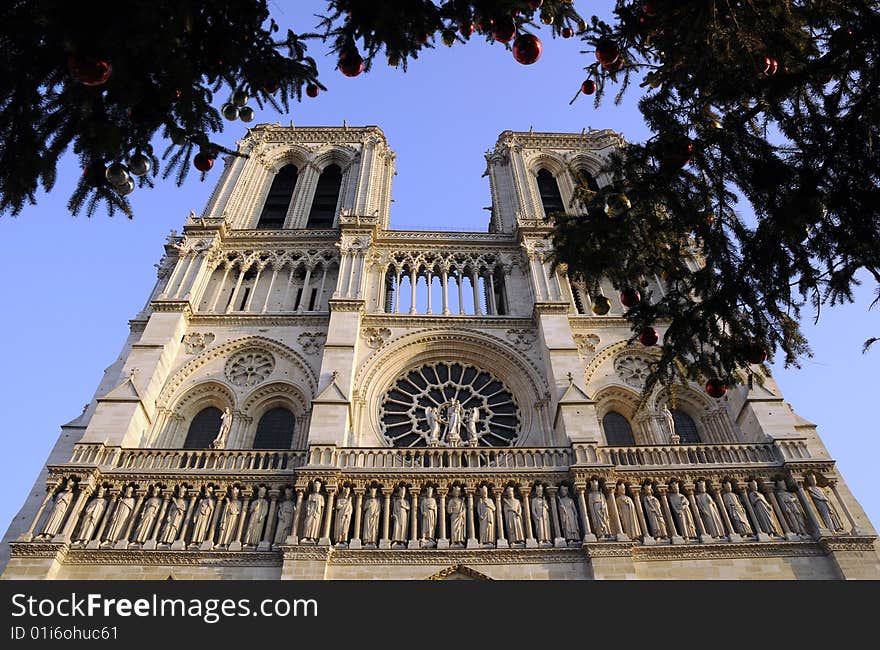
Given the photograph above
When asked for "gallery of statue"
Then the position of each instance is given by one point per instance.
(308, 393)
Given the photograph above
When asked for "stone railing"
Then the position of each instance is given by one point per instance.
(656, 456)
(437, 458)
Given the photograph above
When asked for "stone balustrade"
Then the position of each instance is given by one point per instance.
(442, 458)
(208, 460)
(690, 455)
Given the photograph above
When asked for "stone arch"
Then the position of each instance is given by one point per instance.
(279, 393)
(172, 430)
(622, 400)
(339, 154)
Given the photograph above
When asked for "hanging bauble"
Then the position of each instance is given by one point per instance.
(504, 30)
(607, 52)
(246, 114)
(126, 188)
(676, 153)
(350, 63)
(203, 162)
(535, 4)
(466, 29)
(117, 174)
(527, 49)
(616, 66)
(588, 87)
(617, 205)
(95, 175)
(567, 32)
(139, 164)
(649, 7)
(89, 70)
(546, 17)
(648, 337)
(271, 87)
(716, 388)
(239, 98)
(756, 353)
(601, 305)
(312, 90)
(448, 37)
(229, 111)
(630, 297)
(582, 25)
(771, 65)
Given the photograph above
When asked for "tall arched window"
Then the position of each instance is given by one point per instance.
(326, 196)
(278, 200)
(685, 427)
(551, 199)
(275, 429)
(203, 429)
(618, 432)
(584, 177)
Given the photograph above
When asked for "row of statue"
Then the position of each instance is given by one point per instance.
(540, 516)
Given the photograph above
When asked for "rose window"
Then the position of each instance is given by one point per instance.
(449, 405)
(249, 367)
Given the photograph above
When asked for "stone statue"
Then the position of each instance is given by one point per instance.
(121, 514)
(453, 423)
(472, 416)
(568, 515)
(626, 510)
(654, 513)
(149, 512)
(823, 504)
(314, 511)
(456, 509)
(56, 518)
(681, 512)
(225, 426)
(674, 438)
(229, 520)
(174, 519)
(433, 418)
(791, 509)
(486, 517)
(400, 516)
(512, 510)
(202, 516)
(342, 521)
(284, 517)
(708, 510)
(541, 517)
(599, 509)
(428, 512)
(372, 508)
(763, 510)
(738, 517)
(258, 510)
(92, 515)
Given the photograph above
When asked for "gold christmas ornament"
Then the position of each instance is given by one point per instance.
(616, 205)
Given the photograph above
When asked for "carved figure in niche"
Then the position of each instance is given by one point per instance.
(284, 517)
(174, 519)
(791, 509)
(372, 508)
(59, 508)
(342, 521)
(681, 512)
(541, 517)
(121, 515)
(568, 515)
(654, 513)
(763, 510)
(626, 510)
(825, 508)
(486, 517)
(456, 509)
(453, 423)
(599, 509)
(400, 515)
(472, 416)
(258, 510)
(708, 510)
(225, 426)
(512, 510)
(149, 512)
(202, 516)
(229, 520)
(738, 517)
(433, 418)
(674, 438)
(314, 511)
(92, 515)
(428, 512)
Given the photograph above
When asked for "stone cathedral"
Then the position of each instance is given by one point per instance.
(310, 394)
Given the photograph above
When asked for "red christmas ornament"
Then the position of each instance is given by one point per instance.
(423, 38)
(535, 4)
(676, 154)
(89, 70)
(312, 90)
(770, 66)
(588, 87)
(271, 87)
(607, 52)
(649, 8)
(203, 162)
(466, 29)
(756, 353)
(567, 32)
(630, 297)
(614, 67)
(648, 337)
(504, 31)
(350, 63)
(527, 49)
(716, 388)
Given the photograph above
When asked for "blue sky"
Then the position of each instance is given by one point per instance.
(72, 283)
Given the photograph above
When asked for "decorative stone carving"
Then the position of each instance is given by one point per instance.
(149, 512)
(513, 518)
(708, 511)
(174, 518)
(284, 518)
(587, 344)
(791, 509)
(225, 426)
(342, 521)
(454, 414)
(568, 515)
(522, 340)
(314, 511)
(654, 514)
(626, 510)
(375, 337)
(121, 513)
(195, 342)
(400, 516)
(372, 509)
(738, 517)
(202, 516)
(92, 515)
(59, 508)
(599, 509)
(631, 369)
(258, 510)
(681, 512)
(311, 342)
(823, 504)
(541, 517)
(428, 512)
(229, 520)
(249, 367)
(456, 508)
(763, 510)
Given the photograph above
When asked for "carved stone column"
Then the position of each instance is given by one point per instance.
(442, 539)
(328, 516)
(712, 488)
(619, 535)
(472, 539)
(414, 518)
(558, 539)
(525, 491)
(846, 512)
(674, 537)
(150, 544)
(269, 532)
(385, 542)
(180, 543)
(636, 491)
(123, 543)
(293, 538)
(500, 539)
(585, 517)
(355, 541)
(85, 490)
(695, 513)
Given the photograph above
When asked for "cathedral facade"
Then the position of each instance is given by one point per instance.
(308, 393)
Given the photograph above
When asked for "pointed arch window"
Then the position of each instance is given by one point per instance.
(618, 432)
(583, 177)
(275, 429)
(551, 199)
(278, 201)
(326, 197)
(203, 429)
(685, 427)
